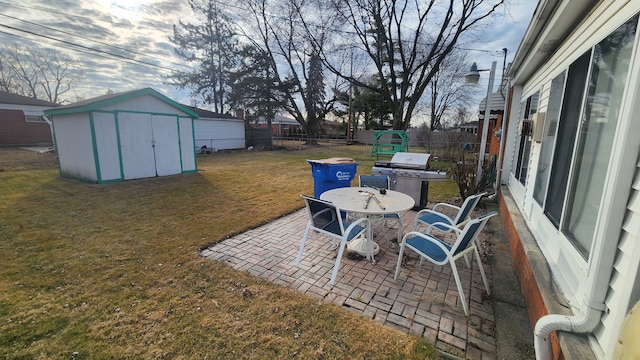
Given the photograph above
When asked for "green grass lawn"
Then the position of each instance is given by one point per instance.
(113, 271)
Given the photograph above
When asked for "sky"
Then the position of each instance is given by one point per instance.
(124, 44)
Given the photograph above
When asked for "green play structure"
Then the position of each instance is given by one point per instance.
(389, 142)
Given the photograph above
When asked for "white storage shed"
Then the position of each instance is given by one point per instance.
(218, 131)
(130, 135)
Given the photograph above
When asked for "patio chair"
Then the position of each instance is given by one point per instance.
(324, 217)
(440, 253)
(436, 216)
(382, 182)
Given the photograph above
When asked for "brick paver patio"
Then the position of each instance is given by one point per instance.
(423, 301)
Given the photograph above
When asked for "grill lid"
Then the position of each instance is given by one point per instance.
(408, 160)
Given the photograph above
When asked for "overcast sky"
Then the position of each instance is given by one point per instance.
(133, 49)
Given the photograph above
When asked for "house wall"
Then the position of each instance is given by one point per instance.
(74, 146)
(220, 134)
(16, 131)
(614, 254)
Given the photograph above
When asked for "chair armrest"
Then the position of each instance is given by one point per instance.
(427, 237)
(457, 208)
(453, 228)
(427, 211)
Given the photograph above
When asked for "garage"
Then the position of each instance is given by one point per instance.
(130, 135)
(215, 131)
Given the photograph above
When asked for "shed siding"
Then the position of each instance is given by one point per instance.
(219, 134)
(187, 150)
(146, 104)
(104, 126)
(75, 146)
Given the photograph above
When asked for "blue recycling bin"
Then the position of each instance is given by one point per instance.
(332, 173)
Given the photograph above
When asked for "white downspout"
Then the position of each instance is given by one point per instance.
(53, 138)
(584, 322)
(593, 304)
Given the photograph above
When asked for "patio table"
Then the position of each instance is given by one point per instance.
(369, 202)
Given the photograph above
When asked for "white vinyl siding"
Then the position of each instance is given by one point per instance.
(624, 288)
(219, 134)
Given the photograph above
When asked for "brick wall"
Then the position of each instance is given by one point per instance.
(16, 131)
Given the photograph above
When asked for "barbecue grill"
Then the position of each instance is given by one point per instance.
(410, 174)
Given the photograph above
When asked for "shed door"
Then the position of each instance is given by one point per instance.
(166, 144)
(150, 145)
(136, 145)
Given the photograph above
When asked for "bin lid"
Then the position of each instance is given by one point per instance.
(335, 160)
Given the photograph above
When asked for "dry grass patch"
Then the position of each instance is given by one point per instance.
(113, 271)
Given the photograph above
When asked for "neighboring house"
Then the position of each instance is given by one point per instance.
(129, 135)
(470, 127)
(571, 204)
(217, 131)
(495, 120)
(22, 121)
(335, 129)
(281, 126)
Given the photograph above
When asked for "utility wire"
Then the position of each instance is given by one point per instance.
(88, 48)
(121, 48)
(85, 38)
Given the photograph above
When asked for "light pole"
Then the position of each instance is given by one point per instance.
(472, 78)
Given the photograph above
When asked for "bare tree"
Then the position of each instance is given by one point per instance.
(406, 42)
(448, 91)
(293, 56)
(40, 74)
(461, 115)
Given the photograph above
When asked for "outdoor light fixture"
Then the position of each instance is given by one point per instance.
(472, 77)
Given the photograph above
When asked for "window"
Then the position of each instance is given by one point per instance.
(549, 139)
(34, 118)
(599, 122)
(579, 133)
(524, 148)
(565, 138)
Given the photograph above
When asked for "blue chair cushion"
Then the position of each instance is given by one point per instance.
(428, 248)
(354, 232)
(432, 218)
(392, 216)
(333, 227)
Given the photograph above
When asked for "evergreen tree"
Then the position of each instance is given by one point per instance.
(315, 98)
(210, 46)
(254, 87)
